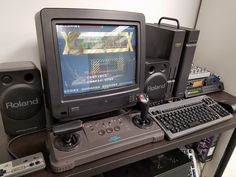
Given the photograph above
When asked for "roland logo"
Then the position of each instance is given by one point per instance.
(20, 104)
(156, 87)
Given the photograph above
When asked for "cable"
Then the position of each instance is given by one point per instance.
(130, 111)
(198, 12)
(202, 168)
(17, 137)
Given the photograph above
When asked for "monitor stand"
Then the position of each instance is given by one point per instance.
(73, 144)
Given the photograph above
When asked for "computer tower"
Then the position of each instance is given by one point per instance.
(169, 164)
(185, 63)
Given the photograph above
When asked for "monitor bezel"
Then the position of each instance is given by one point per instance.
(109, 101)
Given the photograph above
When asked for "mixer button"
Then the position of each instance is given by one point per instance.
(117, 128)
(109, 130)
(101, 132)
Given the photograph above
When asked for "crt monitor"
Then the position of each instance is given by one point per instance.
(92, 60)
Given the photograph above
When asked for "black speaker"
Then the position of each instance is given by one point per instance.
(156, 75)
(166, 42)
(21, 98)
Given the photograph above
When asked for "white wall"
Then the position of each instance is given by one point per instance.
(217, 49)
(230, 170)
(18, 34)
(216, 45)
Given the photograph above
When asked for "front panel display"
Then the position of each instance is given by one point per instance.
(96, 57)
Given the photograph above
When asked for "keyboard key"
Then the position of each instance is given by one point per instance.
(192, 124)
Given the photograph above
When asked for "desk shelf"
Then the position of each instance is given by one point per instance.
(24, 146)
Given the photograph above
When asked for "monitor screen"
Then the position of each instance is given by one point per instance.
(96, 57)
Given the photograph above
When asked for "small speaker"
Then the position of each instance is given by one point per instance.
(156, 74)
(21, 98)
(166, 42)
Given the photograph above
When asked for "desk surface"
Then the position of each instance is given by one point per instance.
(34, 143)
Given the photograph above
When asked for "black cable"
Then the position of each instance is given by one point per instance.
(17, 137)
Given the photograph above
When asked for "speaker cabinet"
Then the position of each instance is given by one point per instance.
(166, 42)
(156, 74)
(21, 98)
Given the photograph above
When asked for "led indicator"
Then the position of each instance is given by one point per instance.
(114, 138)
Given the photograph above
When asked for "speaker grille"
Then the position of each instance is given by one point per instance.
(21, 102)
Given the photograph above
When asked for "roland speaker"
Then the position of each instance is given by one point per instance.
(156, 74)
(21, 98)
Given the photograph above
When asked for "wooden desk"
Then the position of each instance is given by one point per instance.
(36, 142)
